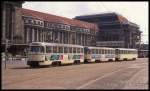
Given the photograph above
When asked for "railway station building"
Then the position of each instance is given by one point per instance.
(23, 26)
(114, 30)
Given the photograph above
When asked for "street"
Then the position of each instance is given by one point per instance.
(105, 75)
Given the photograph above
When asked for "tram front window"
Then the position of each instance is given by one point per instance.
(37, 49)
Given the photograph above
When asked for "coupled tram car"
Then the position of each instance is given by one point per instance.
(42, 54)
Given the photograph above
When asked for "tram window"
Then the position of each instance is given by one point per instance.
(120, 51)
(74, 50)
(99, 51)
(55, 49)
(96, 51)
(109, 51)
(105, 51)
(102, 51)
(92, 51)
(48, 49)
(78, 50)
(65, 50)
(112, 51)
(70, 49)
(60, 49)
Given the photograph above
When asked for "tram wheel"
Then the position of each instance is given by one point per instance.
(97, 61)
(77, 62)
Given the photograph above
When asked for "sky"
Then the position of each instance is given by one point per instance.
(136, 12)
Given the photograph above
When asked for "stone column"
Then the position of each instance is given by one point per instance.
(27, 36)
(32, 34)
(37, 35)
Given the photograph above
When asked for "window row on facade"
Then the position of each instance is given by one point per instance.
(60, 26)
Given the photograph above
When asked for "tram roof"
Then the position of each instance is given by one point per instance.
(55, 44)
(125, 49)
(100, 47)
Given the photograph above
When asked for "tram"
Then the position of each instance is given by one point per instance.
(41, 53)
(99, 54)
(126, 54)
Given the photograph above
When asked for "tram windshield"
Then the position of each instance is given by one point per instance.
(37, 49)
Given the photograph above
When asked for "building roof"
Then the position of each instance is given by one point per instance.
(95, 15)
(122, 19)
(58, 19)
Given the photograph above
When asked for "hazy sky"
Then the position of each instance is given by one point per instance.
(136, 12)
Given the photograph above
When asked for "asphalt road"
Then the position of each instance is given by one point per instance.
(106, 75)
